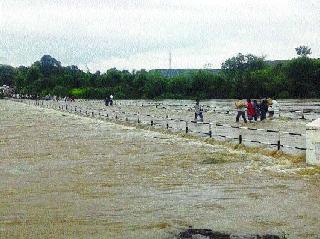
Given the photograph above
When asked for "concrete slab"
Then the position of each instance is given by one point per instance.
(313, 142)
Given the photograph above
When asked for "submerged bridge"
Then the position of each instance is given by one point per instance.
(290, 141)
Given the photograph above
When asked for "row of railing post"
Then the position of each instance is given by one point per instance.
(152, 122)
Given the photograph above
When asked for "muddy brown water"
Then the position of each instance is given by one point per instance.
(68, 176)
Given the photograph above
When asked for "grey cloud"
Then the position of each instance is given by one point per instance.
(82, 32)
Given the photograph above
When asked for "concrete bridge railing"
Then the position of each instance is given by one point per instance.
(313, 142)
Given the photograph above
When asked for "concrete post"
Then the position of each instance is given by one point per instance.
(279, 141)
(240, 136)
(167, 122)
(313, 142)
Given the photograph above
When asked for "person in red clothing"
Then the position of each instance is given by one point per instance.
(251, 112)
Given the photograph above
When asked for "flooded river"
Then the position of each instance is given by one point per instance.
(68, 176)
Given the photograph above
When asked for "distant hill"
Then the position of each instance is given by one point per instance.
(177, 72)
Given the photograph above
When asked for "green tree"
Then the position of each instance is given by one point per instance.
(237, 70)
(302, 77)
(7, 75)
(303, 51)
(155, 86)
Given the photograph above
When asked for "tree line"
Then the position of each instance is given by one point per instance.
(245, 76)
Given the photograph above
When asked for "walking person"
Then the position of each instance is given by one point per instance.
(256, 107)
(270, 111)
(250, 110)
(276, 108)
(241, 108)
(111, 100)
(198, 111)
(106, 101)
(263, 109)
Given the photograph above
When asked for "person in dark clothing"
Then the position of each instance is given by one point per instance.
(107, 101)
(263, 109)
(256, 106)
(111, 100)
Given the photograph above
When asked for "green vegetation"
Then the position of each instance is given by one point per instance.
(240, 76)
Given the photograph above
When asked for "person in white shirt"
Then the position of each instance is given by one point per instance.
(276, 108)
(111, 100)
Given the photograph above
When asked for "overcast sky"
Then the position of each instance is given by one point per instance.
(135, 34)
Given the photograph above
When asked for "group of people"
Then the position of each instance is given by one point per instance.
(256, 110)
(251, 110)
(109, 100)
(26, 96)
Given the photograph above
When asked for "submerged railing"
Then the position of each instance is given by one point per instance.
(174, 124)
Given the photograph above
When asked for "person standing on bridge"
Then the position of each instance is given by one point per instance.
(106, 101)
(276, 108)
(111, 100)
(198, 111)
(263, 109)
(250, 110)
(241, 109)
(256, 106)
